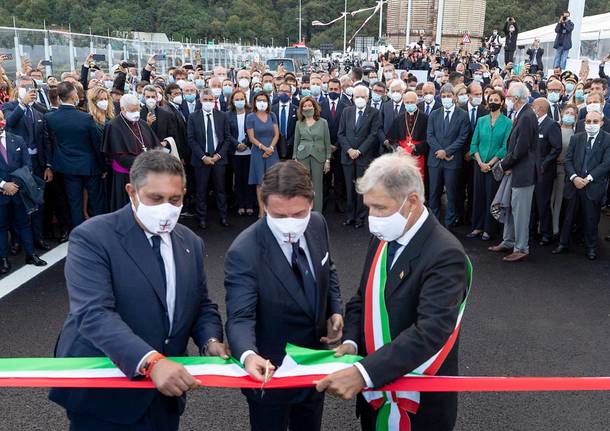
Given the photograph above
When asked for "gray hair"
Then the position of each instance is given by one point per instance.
(362, 91)
(206, 92)
(398, 174)
(447, 88)
(149, 88)
(154, 161)
(519, 89)
(128, 100)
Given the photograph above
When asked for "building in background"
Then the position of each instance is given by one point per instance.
(459, 17)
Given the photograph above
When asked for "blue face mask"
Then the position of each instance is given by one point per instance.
(376, 97)
(411, 107)
(334, 95)
(190, 98)
(257, 90)
(569, 87)
(268, 87)
(373, 81)
(199, 83)
(227, 90)
(305, 92)
(316, 90)
(447, 102)
(568, 120)
(580, 95)
(553, 97)
(325, 88)
(239, 104)
(462, 99)
(284, 98)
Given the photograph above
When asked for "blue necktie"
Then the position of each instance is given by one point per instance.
(302, 270)
(358, 121)
(210, 137)
(393, 247)
(473, 119)
(427, 109)
(156, 246)
(283, 121)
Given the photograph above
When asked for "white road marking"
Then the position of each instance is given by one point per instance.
(24, 274)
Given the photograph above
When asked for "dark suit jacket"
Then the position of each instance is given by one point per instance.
(453, 142)
(118, 308)
(563, 38)
(365, 139)
(538, 53)
(287, 140)
(422, 305)
(582, 113)
(422, 106)
(398, 132)
(266, 306)
(388, 116)
(197, 137)
(333, 124)
(521, 152)
(548, 147)
(17, 154)
(234, 131)
(598, 165)
(346, 100)
(73, 142)
(166, 124)
(180, 119)
(580, 125)
(32, 135)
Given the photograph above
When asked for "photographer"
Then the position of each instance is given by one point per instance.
(511, 31)
(563, 40)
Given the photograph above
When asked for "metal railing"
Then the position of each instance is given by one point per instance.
(68, 50)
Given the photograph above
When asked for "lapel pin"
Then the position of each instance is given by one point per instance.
(187, 250)
(402, 275)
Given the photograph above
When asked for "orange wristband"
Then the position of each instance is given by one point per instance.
(150, 364)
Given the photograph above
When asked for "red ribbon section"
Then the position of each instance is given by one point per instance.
(417, 384)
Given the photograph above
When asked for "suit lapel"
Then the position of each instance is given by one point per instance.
(315, 248)
(282, 269)
(181, 261)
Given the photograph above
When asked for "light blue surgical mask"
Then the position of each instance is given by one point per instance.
(199, 83)
(568, 120)
(316, 90)
(569, 87)
(411, 107)
(227, 90)
(268, 87)
(305, 92)
(325, 88)
(447, 102)
(239, 104)
(190, 98)
(553, 97)
(463, 99)
(580, 95)
(376, 97)
(373, 81)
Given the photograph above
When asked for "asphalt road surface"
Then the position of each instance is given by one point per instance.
(547, 316)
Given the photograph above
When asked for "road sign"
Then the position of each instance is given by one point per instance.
(466, 39)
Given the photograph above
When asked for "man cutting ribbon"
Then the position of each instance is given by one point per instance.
(406, 314)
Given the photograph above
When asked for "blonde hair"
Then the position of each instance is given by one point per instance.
(93, 95)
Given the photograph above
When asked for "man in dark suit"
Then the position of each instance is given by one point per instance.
(391, 109)
(520, 164)
(73, 149)
(286, 114)
(28, 123)
(448, 129)
(331, 109)
(294, 300)
(359, 141)
(138, 292)
(554, 93)
(209, 138)
(595, 101)
(548, 149)
(161, 121)
(421, 309)
(587, 165)
(13, 155)
(511, 33)
(430, 102)
(535, 54)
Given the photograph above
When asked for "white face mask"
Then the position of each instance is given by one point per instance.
(132, 116)
(177, 100)
(592, 129)
(291, 229)
(360, 102)
(510, 105)
(597, 107)
(349, 91)
(217, 91)
(157, 219)
(429, 98)
(22, 93)
(261, 106)
(396, 97)
(476, 101)
(102, 104)
(151, 103)
(389, 228)
(207, 106)
(388, 75)
(244, 83)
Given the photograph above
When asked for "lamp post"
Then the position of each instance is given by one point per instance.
(345, 28)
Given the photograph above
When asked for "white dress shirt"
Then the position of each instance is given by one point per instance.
(356, 116)
(287, 250)
(191, 106)
(450, 110)
(205, 126)
(167, 253)
(403, 241)
(241, 134)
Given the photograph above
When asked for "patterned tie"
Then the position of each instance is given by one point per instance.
(3, 147)
(216, 107)
(447, 121)
(333, 110)
(209, 136)
(301, 268)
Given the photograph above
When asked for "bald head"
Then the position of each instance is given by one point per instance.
(541, 106)
(409, 97)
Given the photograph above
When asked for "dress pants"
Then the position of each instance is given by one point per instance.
(355, 209)
(316, 170)
(509, 55)
(75, 184)
(244, 192)
(56, 204)
(517, 226)
(303, 416)
(441, 177)
(485, 188)
(466, 191)
(162, 415)
(557, 197)
(21, 222)
(335, 179)
(542, 193)
(38, 216)
(590, 211)
(202, 176)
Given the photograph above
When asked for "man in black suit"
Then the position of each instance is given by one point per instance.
(554, 94)
(587, 165)
(74, 149)
(520, 164)
(430, 102)
(535, 54)
(391, 109)
(209, 138)
(548, 149)
(359, 141)
(286, 113)
(282, 287)
(13, 156)
(161, 121)
(511, 33)
(422, 307)
(331, 109)
(595, 100)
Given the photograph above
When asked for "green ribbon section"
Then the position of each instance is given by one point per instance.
(303, 356)
(63, 364)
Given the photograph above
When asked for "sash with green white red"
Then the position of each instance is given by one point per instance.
(393, 408)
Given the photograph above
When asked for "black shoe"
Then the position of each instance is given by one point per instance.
(203, 225)
(544, 241)
(5, 265)
(591, 255)
(41, 245)
(64, 237)
(34, 260)
(607, 238)
(224, 222)
(358, 224)
(349, 222)
(560, 249)
(15, 249)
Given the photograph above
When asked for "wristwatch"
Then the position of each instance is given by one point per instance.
(210, 341)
